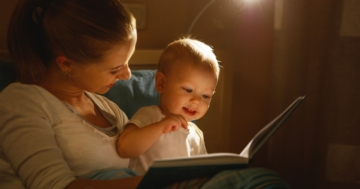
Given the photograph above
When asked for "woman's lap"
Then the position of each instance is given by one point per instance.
(250, 178)
(110, 174)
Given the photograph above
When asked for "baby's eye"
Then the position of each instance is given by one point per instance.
(206, 96)
(187, 90)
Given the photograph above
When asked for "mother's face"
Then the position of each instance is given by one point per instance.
(99, 77)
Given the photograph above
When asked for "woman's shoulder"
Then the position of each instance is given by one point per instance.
(25, 99)
(17, 86)
(27, 96)
(21, 91)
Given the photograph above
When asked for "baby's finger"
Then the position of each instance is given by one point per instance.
(174, 128)
(183, 123)
(168, 129)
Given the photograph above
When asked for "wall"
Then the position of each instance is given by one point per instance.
(266, 69)
(319, 146)
(6, 8)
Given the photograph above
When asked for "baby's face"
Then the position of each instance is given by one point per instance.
(188, 91)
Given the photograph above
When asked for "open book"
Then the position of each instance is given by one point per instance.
(167, 171)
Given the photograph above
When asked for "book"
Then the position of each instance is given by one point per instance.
(164, 172)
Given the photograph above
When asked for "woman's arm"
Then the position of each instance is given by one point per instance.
(131, 182)
(27, 138)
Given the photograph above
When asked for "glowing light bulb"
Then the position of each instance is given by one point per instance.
(248, 1)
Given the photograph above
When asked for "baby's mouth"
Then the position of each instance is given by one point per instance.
(189, 111)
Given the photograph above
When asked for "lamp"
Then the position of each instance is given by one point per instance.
(204, 9)
(198, 16)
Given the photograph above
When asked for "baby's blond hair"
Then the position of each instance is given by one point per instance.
(192, 51)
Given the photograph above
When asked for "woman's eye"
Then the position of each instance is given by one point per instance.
(187, 90)
(115, 72)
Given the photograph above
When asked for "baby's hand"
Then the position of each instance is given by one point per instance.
(173, 122)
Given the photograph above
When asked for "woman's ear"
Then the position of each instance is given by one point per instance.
(64, 64)
(160, 81)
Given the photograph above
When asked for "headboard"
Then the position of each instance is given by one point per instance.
(145, 59)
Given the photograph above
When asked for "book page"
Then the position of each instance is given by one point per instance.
(204, 159)
(265, 133)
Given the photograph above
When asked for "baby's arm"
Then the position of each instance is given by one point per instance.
(134, 141)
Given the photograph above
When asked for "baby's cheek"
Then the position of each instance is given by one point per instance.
(207, 102)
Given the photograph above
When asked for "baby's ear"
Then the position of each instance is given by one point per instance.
(159, 81)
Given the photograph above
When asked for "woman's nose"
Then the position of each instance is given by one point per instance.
(125, 73)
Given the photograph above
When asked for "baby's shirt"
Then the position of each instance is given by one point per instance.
(180, 143)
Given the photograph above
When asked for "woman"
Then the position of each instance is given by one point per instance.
(54, 128)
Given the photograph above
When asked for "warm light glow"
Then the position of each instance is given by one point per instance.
(238, 3)
(248, 1)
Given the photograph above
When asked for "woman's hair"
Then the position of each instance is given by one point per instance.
(83, 31)
(188, 50)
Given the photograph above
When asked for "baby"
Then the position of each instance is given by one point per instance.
(186, 79)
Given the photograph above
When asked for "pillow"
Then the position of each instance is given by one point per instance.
(134, 93)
